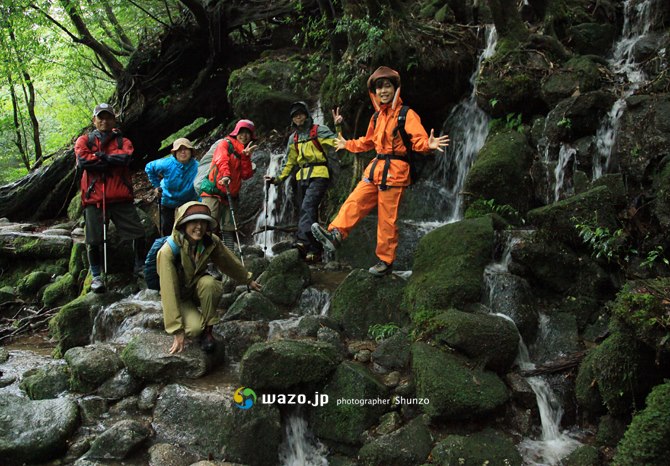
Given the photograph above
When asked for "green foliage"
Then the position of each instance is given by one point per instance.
(654, 257)
(482, 207)
(565, 122)
(379, 332)
(604, 244)
(513, 121)
(645, 306)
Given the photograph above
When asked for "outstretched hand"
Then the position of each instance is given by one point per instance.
(337, 118)
(437, 143)
(340, 142)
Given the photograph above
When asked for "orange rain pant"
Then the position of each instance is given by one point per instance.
(359, 204)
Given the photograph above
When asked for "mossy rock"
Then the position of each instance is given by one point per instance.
(592, 38)
(278, 365)
(610, 431)
(30, 284)
(263, 90)
(598, 205)
(586, 455)
(454, 390)
(45, 382)
(407, 446)
(500, 171)
(74, 209)
(363, 300)
(449, 266)
(490, 340)
(285, 278)
(661, 205)
(73, 324)
(90, 366)
(252, 306)
(487, 447)
(642, 306)
(647, 440)
(78, 259)
(59, 292)
(576, 117)
(345, 421)
(586, 392)
(622, 371)
(580, 73)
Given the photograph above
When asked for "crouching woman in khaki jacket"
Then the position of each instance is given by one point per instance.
(185, 284)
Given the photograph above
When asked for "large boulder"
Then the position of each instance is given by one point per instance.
(357, 400)
(91, 365)
(73, 324)
(407, 446)
(29, 285)
(592, 38)
(363, 300)
(45, 382)
(487, 447)
(576, 117)
(184, 417)
(61, 291)
(621, 370)
(580, 73)
(118, 441)
(239, 335)
(647, 440)
(449, 266)
(491, 341)
(285, 278)
(500, 171)
(35, 431)
(252, 306)
(278, 365)
(28, 245)
(146, 357)
(454, 390)
(512, 296)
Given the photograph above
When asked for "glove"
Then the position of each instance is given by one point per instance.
(226, 180)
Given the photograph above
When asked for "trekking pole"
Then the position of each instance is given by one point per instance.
(104, 227)
(160, 212)
(265, 234)
(232, 215)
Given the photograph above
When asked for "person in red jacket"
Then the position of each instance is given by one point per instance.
(231, 163)
(104, 155)
(387, 175)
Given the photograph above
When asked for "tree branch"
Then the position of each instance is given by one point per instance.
(199, 13)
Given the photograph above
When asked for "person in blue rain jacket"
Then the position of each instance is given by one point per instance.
(173, 179)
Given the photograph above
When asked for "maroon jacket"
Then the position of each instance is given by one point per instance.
(104, 160)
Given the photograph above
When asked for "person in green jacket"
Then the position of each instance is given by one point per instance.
(184, 281)
(305, 153)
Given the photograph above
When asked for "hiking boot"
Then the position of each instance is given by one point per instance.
(213, 270)
(301, 247)
(207, 341)
(331, 240)
(97, 285)
(380, 269)
(313, 257)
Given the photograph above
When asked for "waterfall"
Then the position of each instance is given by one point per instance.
(637, 21)
(300, 447)
(468, 127)
(553, 444)
(566, 154)
(276, 208)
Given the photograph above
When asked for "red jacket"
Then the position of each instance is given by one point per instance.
(104, 163)
(228, 160)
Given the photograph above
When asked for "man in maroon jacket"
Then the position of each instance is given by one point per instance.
(104, 156)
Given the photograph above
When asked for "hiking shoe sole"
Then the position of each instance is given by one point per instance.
(380, 269)
(326, 238)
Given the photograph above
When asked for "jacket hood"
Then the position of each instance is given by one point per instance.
(388, 73)
(301, 106)
(193, 210)
(245, 124)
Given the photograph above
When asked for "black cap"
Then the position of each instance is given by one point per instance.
(103, 108)
(298, 107)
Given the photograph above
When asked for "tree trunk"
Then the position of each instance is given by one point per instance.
(507, 20)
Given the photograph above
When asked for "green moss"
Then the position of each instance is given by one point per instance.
(647, 440)
(482, 448)
(448, 266)
(643, 306)
(31, 283)
(59, 292)
(585, 455)
(45, 382)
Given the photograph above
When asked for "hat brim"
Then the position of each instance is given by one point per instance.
(104, 111)
(212, 223)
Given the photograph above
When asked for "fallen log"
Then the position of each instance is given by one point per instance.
(282, 228)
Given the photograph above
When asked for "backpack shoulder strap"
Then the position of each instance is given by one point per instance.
(90, 141)
(402, 117)
(314, 137)
(374, 119)
(231, 148)
(174, 246)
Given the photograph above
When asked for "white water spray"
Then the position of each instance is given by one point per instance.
(566, 154)
(300, 447)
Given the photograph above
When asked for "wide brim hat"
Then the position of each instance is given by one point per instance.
(181, 142)
(245, 124)
(384, 72)
(197, 211)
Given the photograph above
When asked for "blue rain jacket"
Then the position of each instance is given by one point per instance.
(174, 178)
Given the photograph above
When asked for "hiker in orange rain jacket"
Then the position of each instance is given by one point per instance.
(231, 163)
(387, 175)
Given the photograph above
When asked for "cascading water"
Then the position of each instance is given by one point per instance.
(468, 127)
(553, 444)
(637, 22)
(565, 155)
(300, 447)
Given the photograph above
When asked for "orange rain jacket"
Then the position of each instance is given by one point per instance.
(380, 136)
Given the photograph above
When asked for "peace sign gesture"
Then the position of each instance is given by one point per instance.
(337, 118)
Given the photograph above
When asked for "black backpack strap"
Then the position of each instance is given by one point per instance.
(406, 138)
(400, 128)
